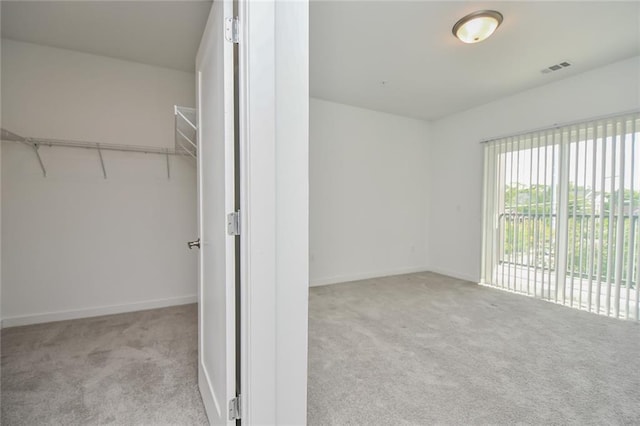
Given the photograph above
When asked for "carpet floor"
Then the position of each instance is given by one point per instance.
(411, 349)
(130, 369)
(428, 349)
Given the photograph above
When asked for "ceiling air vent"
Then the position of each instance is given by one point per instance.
(555, 67)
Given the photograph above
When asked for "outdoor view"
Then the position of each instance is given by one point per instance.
(567, 227)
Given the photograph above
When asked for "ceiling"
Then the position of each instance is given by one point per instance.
(161, 33)
(355, 46)
(428, 74)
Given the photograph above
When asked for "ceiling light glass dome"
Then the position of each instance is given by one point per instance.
(477, 26)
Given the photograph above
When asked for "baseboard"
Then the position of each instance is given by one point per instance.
(365, 276)
(95, 312)
(455, 274)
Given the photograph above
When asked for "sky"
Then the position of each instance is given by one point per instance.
(527, 166)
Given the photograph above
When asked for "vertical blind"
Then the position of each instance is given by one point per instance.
(561, 209)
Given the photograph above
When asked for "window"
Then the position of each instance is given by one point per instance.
(561, 210)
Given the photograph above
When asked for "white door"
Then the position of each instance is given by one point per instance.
(217, 276)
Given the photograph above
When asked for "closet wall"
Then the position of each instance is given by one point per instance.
(75, 244)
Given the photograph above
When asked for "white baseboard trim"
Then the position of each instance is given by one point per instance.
(455, 274)
(365, 276)
(95, 312)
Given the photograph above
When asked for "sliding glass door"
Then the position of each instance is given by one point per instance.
(561, 210)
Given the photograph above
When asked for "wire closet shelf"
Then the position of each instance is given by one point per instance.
(185, 141)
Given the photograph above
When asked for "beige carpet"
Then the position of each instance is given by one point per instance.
(427, 349)
(129, 369)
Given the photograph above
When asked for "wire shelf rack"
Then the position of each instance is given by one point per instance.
(185, 142)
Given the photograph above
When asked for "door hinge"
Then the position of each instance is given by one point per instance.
(231, 32)
(235, 408)
(233, 223)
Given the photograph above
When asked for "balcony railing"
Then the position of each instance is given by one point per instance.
(527, 257)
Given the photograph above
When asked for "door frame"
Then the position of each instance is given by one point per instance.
(273, 58)
(257, 204)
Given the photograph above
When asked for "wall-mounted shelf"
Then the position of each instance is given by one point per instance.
(36, 143)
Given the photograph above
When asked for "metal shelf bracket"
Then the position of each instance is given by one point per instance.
(36, 148)
(168, 168)
(104, 170)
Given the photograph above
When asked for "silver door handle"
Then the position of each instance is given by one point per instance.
(192, 244)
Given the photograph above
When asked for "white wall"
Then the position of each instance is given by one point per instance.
(73, 243)
(457, 159)
(369, 181)
(62, 94)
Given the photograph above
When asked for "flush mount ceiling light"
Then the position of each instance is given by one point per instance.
(477, 26)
